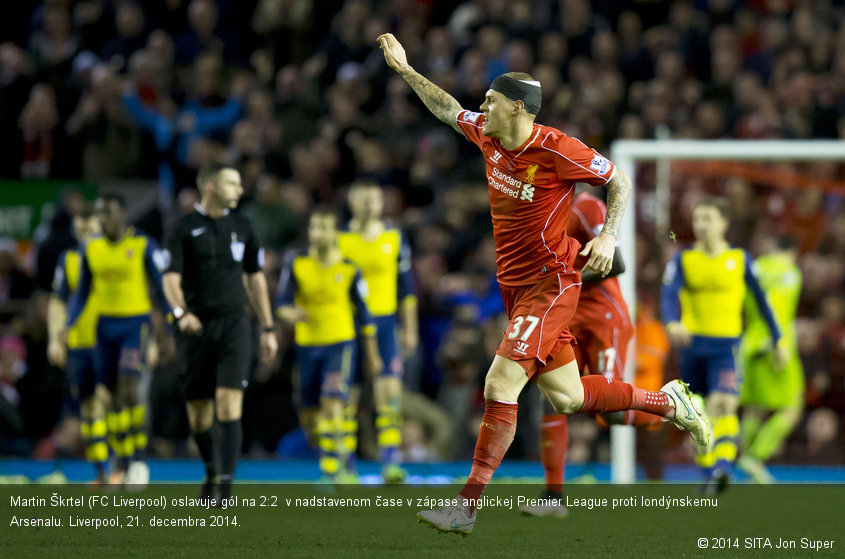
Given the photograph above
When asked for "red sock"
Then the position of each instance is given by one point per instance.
(655, 403)
(554, 435)
(495, 435)
(603, 394)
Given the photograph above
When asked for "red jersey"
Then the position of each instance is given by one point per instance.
(599, 300)
(531, 190)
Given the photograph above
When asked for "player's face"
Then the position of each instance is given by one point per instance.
(227, 188)
(708, 224)
(112, 217)
(322, 231)
(498, 111)
(85, 228)
(367, 202)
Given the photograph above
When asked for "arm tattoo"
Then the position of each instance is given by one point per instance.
(618, 190)
(441, 104)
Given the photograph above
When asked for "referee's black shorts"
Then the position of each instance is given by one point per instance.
(219, 357)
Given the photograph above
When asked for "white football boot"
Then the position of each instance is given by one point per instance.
(450, 518)
(688, 417)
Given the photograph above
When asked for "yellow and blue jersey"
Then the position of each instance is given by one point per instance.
(83, 334)
(706, 293)
(385, 263)
(332, 296)
(118, 276)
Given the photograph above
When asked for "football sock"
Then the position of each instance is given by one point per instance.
(328, 433)
(138, 430)
(772, 434)
(206, 449)
(602, 394)
(388, 424)
(350, 436)
(554, 436)
(96, 447)
(498, 426)
(229, 449)
(119, 423)
(725, 435)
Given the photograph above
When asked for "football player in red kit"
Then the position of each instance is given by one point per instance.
(531, 175)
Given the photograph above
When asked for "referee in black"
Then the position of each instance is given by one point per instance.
(215, 267)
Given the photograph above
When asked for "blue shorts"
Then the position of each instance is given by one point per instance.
(121, 344)
(323, 372)
(709, 365)
(388, 347)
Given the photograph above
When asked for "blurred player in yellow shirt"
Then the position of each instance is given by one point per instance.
(384, 257)
(117, 270)
(74, 348)
(772, 393)
(704, 289)
(322, 296)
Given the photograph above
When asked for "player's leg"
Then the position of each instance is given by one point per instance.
(350, 415)
(350, 427)
(387, 394)
(554, 437)
(117, 423)
(554, 441)
(329, 425)
(753, 414)
(228, 407)
(538, 327)
(201, 420)
(306, 390)
(135, 332)
(233, 336)
(774, 400)
(334, 390)
(197, 383)
(722, 407)
(83, 378)
(505, 380)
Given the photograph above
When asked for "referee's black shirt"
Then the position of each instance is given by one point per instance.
(212, 255)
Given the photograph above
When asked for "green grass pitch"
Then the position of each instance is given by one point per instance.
(744, 520)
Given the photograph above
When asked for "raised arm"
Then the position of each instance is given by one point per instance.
(441, 104)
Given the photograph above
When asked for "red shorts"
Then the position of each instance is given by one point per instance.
(602, 347)
(537, 335)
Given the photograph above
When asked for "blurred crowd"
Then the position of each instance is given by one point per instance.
(296, 94)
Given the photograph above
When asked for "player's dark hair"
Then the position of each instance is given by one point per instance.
(209, 171)
(721, 204)
(787, 242)
(118, 199)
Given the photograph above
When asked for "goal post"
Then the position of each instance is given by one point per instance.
(626, 154)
